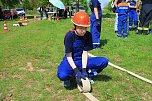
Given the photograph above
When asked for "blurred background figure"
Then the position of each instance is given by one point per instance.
(123, 12)
(47, 9)
(41, 12)
(133, 15)
(1, 13)
(95, 20)
(116, 2)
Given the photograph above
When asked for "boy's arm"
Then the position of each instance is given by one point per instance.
(132, 6)
(96, 13)
(70, 60)
(139, 2)
(84, 59)
(115, 3)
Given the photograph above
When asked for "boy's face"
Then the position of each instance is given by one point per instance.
(81, 30)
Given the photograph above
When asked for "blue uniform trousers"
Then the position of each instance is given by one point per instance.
(65, 71)
(95, 30)
(133, 17)
(122, 25)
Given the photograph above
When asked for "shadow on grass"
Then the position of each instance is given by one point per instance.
(102, 78)
(96, 78)
(103, 42)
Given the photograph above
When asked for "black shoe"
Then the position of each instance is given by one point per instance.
(116, 31)
(145, 32)
(119, 36)
(139, 32)
(130, 29)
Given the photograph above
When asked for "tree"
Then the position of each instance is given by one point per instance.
(26, 4)
(10, 3)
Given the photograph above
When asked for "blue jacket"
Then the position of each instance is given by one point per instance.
(122, 9)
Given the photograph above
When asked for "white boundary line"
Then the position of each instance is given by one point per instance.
(129, 72)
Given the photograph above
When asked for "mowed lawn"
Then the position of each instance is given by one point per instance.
(29, 57)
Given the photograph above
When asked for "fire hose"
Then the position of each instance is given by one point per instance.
(129, 72)
(85, 88)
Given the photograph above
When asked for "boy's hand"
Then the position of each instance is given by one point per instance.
(98, 22)
(84, 72)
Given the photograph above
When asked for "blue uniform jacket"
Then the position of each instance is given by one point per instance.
(122, 9)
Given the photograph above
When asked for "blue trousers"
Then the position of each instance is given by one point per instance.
(65, 71)
(133, 18)
(122, 25)
(95, 30)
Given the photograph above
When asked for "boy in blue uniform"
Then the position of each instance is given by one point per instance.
(76, 62)
(95, 20)
(123, 11)
(133, 15)
(116, 2)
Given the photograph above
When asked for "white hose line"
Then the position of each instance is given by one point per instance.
(86, 88)
(90, 97)
(129, 72)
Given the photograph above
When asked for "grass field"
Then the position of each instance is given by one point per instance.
(29, 57)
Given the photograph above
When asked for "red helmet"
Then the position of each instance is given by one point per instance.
(81, 19)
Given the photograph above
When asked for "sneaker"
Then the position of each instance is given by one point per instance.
(145, 32)
(66, 83)
(91, 81)
(116, 31)
(139, 31)
(150, 30)
(130, 29)
(119, 36)
(124, 36)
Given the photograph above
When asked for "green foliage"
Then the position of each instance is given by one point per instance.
(26, 4)
(10, 3)
(109, 6)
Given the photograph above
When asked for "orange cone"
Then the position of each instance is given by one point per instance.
(5, 27)
(58, 19)
(34, 17)
(26, 20)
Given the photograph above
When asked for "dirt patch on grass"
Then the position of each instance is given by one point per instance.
(49, 89)
(18, 76)
(3, 75)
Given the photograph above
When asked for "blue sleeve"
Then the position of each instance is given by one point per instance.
(68, 42)
(117, 9)
(88, 41)
(95, 3)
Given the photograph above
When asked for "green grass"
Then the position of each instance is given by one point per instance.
(29, 57)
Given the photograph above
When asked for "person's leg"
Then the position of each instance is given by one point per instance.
(96, 64)
(125, 23)
(95, 31)
(147, 22)
(41, 15)
(130, 20)
(142, 20)
(135, 20)
(119, 26)
(65, 73)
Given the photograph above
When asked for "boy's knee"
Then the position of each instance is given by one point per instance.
(63, 76)
(104, 61)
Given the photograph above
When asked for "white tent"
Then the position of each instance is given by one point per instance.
(57, 3)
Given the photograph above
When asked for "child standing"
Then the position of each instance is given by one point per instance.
(133, 15)
(123, 11)
(78, 42)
